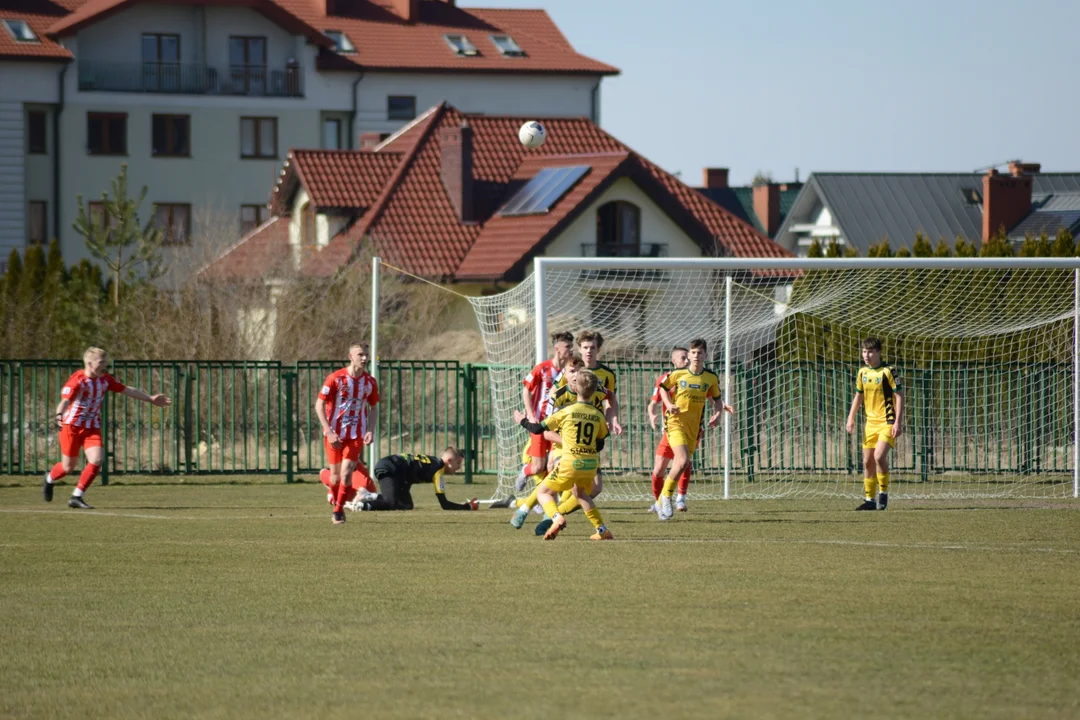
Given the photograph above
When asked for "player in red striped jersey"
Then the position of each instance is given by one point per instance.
(79, 418)
(342, 409)
(680, 358)
(534, 395)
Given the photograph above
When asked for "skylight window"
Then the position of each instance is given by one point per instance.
(21, 31)
(543, 191)
(342, 43)
(461, 45)
(507, 46)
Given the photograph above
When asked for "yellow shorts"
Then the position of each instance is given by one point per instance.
(875, 433)
(677, 436)
(571, 472)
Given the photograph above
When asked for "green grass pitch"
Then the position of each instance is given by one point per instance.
(242, 600)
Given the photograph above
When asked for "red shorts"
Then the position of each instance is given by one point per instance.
(74, 438)
(351, 449)
(539, 447)
(664, 449)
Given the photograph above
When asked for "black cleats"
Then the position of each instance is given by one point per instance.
(339, 517)
(47, 489)
(883, 500)
(79, 504)
(868, 505)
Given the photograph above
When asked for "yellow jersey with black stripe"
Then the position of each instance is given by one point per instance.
(562, 397)
(604, 374)
(878, 386)
(690, 392)
(581, 426)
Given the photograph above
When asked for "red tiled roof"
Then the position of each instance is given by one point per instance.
(262, 253)
(39, 15)
(383, 40)
(413, 223)
(335, 178)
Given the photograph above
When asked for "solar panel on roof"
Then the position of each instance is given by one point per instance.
(543, 190)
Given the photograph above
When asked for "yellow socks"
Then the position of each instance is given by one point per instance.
(870, 486)
(530, 501)
(670, 484)
(883, 481)
(568, 503)
(551, 509)
(594, 517)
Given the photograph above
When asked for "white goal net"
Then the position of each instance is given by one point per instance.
(984, 351)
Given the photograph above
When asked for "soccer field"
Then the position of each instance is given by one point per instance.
(242, 600)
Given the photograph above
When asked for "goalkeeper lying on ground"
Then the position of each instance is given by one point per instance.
(396, 474)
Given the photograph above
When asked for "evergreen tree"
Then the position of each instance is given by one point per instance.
(1028, 248)
(922, 246)
(814, 251)
(850, 251)
(903, 252)
(129, 251)
(833, 249)
(1063, 246)
(965, 249)
(942, 250)
(997, 245)
(33, 277)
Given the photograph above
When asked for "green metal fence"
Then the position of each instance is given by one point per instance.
(235, 417)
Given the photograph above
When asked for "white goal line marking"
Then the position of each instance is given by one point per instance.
(858, 543)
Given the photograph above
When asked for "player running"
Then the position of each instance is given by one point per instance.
(582, 429)
(342, 408)
(79, 416)
(685, 393)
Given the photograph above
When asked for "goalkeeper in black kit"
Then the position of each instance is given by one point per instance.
(396, 474)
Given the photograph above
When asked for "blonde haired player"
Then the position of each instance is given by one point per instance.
(582, 429)
(79, 416)
(685, 393)
(877, 387)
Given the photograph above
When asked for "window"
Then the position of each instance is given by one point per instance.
(258, 137)
(331, 133)
(35, 132)
(507, 46)
(342, 43)
(401, 107)
(106, 133)
(21, 31)
(544, 190)
(171, 136)
(37, 223)
(461, 45)
(618, 230)
(252, 216)
(247, 64)
(160, 61)
(174, 221)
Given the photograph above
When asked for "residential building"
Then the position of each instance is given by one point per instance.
(861, 209)
(455, 198)
(764, 205)
(203, 100)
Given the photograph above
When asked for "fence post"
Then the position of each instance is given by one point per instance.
(106, 439)
(188, 410)
(468, 386)
(290, 451)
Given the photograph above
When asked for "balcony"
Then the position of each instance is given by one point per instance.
(190, 79)
(644, 250)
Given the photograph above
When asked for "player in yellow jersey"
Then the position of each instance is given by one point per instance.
(564, 394)
(878, 388)
(582, 430)
(685, 392)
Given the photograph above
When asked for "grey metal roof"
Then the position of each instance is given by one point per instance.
(1045, 221)
(870, 206)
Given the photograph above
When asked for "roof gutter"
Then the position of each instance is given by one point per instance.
(352, 114)
(56, 154)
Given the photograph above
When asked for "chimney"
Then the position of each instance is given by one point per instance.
(369, 140)
(1006, 201)
(767, 206)
(1017, 168)
(715, 178)
(408, 10)
(457, 156)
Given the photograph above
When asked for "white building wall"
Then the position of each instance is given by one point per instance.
(118, 38)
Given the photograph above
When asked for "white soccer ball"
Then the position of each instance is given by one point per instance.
(532, 134)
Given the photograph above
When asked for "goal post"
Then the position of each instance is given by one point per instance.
(986, 350)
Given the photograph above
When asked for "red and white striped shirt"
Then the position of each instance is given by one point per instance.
(86, 395)
(656, 388)
(348, 399)
(539, 382)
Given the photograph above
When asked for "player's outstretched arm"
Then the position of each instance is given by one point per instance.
(155, 400)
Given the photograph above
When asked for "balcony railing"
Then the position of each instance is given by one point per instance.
(644, 250)
(190, 79)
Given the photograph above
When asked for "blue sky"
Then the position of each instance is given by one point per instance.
(841, 85)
